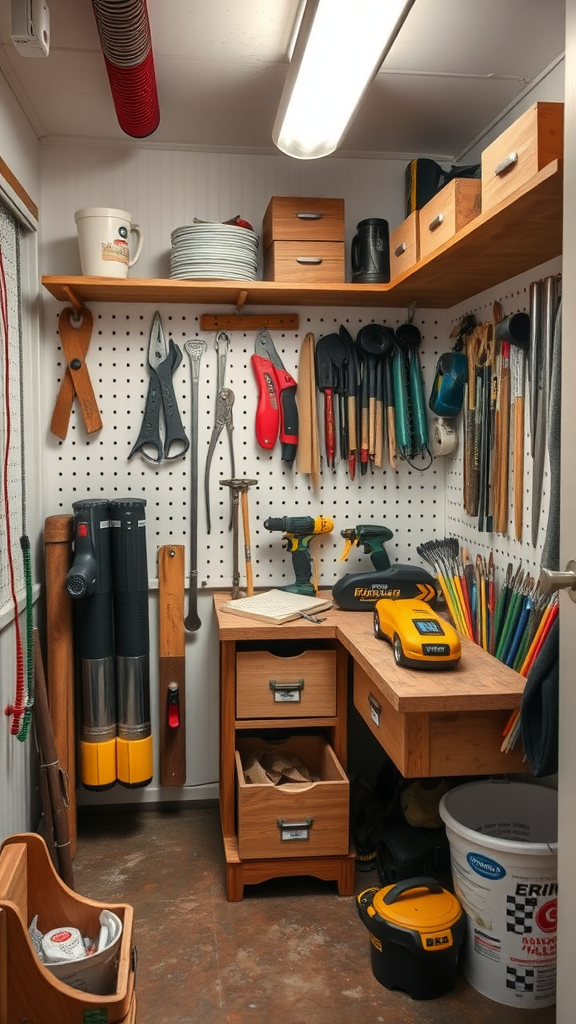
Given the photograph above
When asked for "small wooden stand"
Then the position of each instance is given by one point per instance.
(29, 885)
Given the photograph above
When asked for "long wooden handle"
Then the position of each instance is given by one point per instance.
(50, 764)
(172, 665)
(518, 465)
(247, 549)
(58, 534)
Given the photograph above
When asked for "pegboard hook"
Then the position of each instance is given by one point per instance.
(410, 312)
(241, 302)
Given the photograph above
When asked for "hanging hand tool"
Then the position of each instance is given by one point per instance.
(376, 341)
(195, 351)
(544, 373)
(339, 355)
(224, 404)
(308, 444)
(326, 382)
(163, 359)
(75, 334)
(277, 410)
(222, 346)
(353, 371)
(223, 418)
(171, 655)
(246, 530)
(237, 487)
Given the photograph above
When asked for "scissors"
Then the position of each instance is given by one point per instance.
(163, 360)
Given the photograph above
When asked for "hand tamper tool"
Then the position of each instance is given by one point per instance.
(239, 486)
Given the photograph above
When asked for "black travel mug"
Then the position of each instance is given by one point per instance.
(371, 252)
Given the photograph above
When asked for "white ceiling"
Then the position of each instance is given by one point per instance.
(220, 68)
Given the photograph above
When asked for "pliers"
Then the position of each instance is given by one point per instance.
(276, 411)
(223, 418)
(163, 360)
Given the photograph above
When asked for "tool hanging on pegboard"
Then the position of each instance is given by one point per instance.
(195, 350)
(277, 412)
(75, 330)
(223, 418)
(172, 666)
(164, 358)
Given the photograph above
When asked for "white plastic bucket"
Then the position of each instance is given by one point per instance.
(503, 849)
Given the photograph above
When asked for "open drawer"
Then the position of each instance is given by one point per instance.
(295, 819)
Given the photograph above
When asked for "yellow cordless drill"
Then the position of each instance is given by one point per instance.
(298, 531)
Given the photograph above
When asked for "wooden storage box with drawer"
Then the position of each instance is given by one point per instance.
(295, 819)
(528, 145)
(404, 245)
(268, 686)
(451, 209)
(305, 262)
(299, 219)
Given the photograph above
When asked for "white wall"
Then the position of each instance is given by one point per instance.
(20, 150)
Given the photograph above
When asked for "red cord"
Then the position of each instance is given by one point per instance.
(18, 708)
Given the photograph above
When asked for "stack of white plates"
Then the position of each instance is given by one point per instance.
(214, 251)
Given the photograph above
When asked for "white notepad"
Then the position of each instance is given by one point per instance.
(276, 606)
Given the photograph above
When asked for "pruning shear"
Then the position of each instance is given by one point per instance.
(163, 359)
(276, 412)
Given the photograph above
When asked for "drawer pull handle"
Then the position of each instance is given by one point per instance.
(309, 216)
(375, 709)
(286, 693)
(436, 222)
(295, 830)
(507, 162)
(309, 259)
(400, 249)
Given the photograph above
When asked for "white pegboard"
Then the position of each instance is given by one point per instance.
(409, 502)
(513, 296)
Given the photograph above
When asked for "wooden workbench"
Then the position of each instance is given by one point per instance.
(429, 723)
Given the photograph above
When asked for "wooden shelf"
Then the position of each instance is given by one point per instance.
(522, 232)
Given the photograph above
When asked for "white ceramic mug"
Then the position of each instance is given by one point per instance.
(103, 240)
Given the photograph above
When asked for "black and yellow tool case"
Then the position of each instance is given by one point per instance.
(416, 928)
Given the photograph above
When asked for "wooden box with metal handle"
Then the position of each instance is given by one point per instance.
(528, 145)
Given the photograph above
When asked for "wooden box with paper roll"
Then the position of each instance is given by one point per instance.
(30, 888)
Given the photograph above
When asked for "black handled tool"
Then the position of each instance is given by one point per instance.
(163, 359)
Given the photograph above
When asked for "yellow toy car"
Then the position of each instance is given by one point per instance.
(420, 638)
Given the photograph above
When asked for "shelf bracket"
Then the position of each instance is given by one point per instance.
(73, 299)
(241, 302)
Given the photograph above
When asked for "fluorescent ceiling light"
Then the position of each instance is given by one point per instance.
(340, 47)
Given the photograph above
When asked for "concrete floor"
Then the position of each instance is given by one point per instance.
(292, 952)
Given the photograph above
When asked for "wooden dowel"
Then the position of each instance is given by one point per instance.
(58, 531)
(50, 763)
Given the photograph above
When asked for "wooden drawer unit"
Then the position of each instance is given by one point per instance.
(448, 212)
(441, 743)
(404, 245)
(296, 819)
(268, 686)
(305, 262)
(298, 219)
(528, 145)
